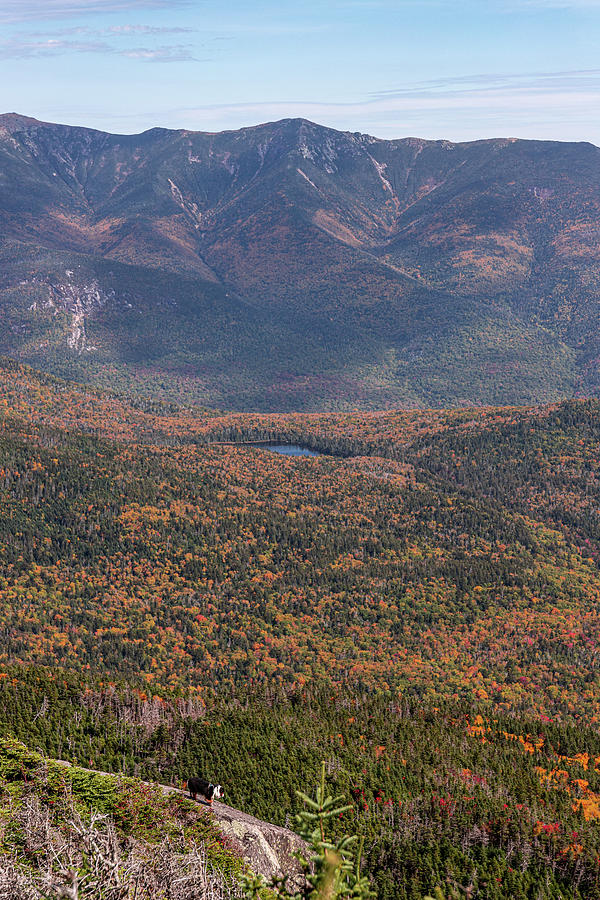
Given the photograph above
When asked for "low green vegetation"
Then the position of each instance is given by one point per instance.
(102, 836)
(332, 871)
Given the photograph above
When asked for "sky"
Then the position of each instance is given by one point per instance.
(454, 69)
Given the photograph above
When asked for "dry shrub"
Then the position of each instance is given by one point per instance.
(86, 860)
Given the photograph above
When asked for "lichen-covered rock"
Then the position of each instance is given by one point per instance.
(268, 849)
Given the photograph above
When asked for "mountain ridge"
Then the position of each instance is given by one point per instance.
(20, 119)
(292, 266)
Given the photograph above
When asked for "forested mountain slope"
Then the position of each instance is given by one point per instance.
(291, 266)
(479, 806)
(419, 606)
(451, 554)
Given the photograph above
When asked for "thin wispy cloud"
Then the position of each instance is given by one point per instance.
(513, 85)
(13, 11)
(536, 105)
(321, 111)
(29, 49)
(528, 89)
(25, 48)
(497, 6)
(169, 53)
(109, 31)
(491, 5)
(146, 29)
(556, 4)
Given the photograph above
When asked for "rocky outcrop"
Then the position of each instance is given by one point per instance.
(268, 849)
(79, 300)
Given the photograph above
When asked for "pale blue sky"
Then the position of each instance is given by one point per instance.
(460, 70)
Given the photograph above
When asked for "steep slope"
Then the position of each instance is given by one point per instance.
(65, 825)
(292, 266)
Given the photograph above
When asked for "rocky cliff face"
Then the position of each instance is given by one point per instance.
(268, 849)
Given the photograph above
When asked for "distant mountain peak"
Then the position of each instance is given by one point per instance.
(15, 121)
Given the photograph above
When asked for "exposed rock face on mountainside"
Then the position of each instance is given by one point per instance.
(293, 266)
(268, 849)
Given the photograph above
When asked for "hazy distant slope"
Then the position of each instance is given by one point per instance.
(293, 266)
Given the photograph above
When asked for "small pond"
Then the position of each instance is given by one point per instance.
(289, 449)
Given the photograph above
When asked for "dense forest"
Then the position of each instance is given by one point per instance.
(419, 606)
(483, 805)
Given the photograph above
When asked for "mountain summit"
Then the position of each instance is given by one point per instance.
(292, 266)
